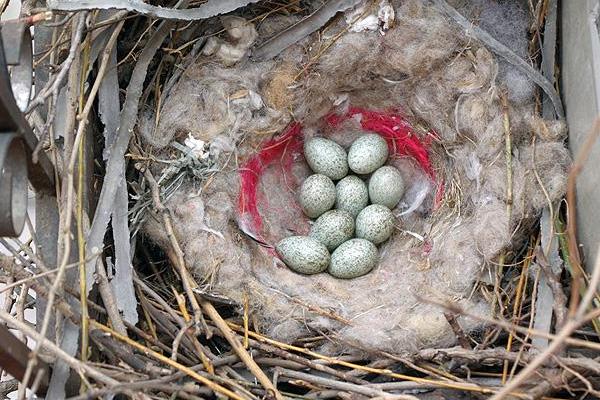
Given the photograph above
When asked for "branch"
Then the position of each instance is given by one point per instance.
(206, 10)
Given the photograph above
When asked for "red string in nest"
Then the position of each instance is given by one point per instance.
(396, 130)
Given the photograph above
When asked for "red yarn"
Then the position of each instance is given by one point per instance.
(280, 148)
(393, 127)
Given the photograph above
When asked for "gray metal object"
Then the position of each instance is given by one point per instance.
(580, 84)
(16, 39)
(14, 357)
(17, 143)
(549, 55)
(46, 207)
(13, 184)
(12, 121)
(13, 155)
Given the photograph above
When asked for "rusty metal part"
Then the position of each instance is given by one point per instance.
(14, 356)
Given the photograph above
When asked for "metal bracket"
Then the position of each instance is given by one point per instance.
(17, 143)
(17, 140)
(18, 52)
(14, 355)
(13, 184)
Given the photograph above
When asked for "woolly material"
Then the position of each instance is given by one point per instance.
(508, 22)
(435, 95)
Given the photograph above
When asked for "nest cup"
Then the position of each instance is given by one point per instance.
(435, 96)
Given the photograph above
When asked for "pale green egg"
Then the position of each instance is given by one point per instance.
(317, 195)
(326, 157)
(386, 187)
(375, 223)
(333, 228)
(367, 153)
(352, 195)
(353, 258)
(303, 254)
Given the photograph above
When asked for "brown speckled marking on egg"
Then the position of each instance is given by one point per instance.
(367, 153)
(353, 258)
(303, 254)
(386, 187)
(375, 223)
(317, 195)
(333, 228)
(326, 157)
(352, 195)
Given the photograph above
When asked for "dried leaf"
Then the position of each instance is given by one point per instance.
(206, 10)
(545, 297)
(122, 282)
(61, 370)
(114, 166)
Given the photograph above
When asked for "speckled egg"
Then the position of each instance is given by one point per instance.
(367, 153)
(386, 187)
(375, 223)
(303, 254)
(353, 258)
(317, 195)
(352, 195)
(333, 228)
(326, 157)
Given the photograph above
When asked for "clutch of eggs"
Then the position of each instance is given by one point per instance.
(343, 240)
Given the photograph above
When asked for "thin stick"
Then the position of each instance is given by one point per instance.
(516, 307)
(458, 332)
(188, 371)
(76, 38)
(588, 297)
(568, 328)
(386, 372)
(199, 348)
(560, 300)
(239, 349)
(177, 253)
(245, 320)
(79, 220)
(32, 277)
(508, 155)
(540, 360)
(65, 67)
(334, 384)
(74, 363)
(304, 362)
(495, 356)
(509, 326)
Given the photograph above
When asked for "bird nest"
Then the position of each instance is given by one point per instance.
(197, 131)
(437, 99)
